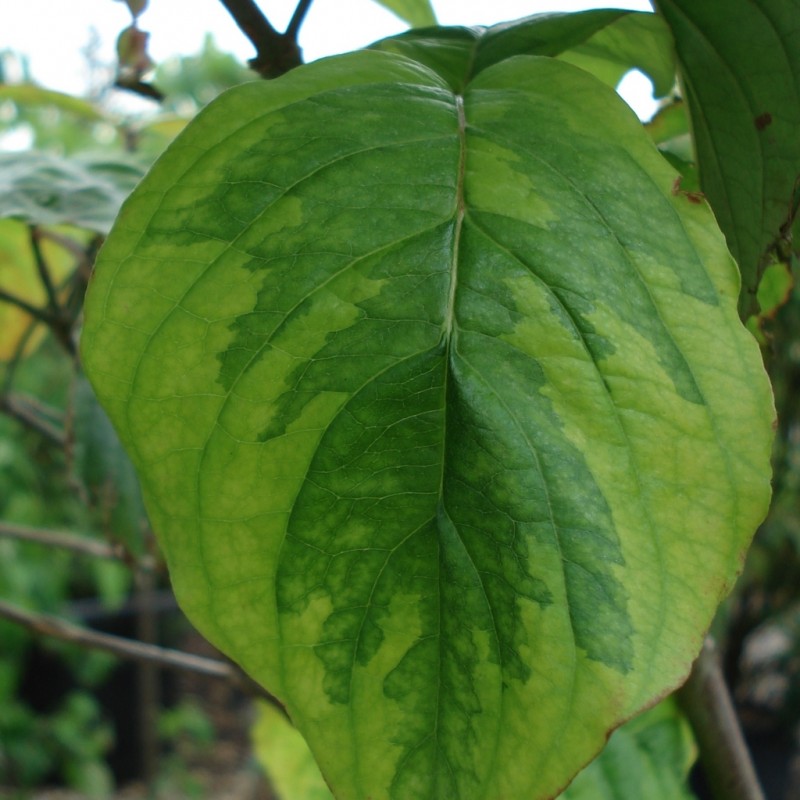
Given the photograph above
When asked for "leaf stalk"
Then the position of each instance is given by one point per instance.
(707, 704)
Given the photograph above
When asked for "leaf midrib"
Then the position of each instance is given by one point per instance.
(448, 333)
(449, 316)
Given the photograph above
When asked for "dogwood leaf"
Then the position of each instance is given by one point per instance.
(740, 66)
(443, 411)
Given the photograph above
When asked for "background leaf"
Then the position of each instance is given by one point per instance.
(606, 42)
(284, 755)
(740, 66)
(669, 123)
(86, 191)
(648, 757)
(634, 41)
(29, 94)
(417, 13)
(442, 409)
(19, 276)
(103, 472)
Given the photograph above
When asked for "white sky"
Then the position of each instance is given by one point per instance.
(52, 33)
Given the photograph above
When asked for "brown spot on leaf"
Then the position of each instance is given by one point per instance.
(763, 120)
(692, 197)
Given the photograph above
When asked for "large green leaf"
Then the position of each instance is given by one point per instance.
(740, 65)
(442, 408)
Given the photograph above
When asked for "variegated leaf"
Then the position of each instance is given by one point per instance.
(442, 408)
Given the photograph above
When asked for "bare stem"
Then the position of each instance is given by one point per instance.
(251, 21)
(44, 271)
(276, 53)
(63, 241)
(16, 358)
(147, 676)
(27, 413)
(298, 17)
(38, 407)
(37, 313)
(48, 625)
(708, 706)
(53, 318)
(73, 542)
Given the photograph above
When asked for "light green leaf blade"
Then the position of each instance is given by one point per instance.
(670, 122)
(284, 755)
(546, 34)
(634, 41)
(443, 412)
(740, 66)
(458, 54)
(648, 757)
(417, 13)
(447, 51)
(29, 94)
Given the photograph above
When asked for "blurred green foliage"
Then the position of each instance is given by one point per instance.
(187, 734)
(191, 82)
(71, 742)
(64, 190)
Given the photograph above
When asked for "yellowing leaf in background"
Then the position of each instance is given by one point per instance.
(20, 278)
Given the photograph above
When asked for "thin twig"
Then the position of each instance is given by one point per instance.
(297, 18)
(65, 242)
(36, 406)
(37, 313)
(276, 53)
(148, 675)
(16, 358)
(79, 279)
(48, 625)
(142, 88)
(44, 272)
(251, 21)
(55, 320)
(26, 413)
(90, 609)
(55, 317)
(71, 541)
(708, 706)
